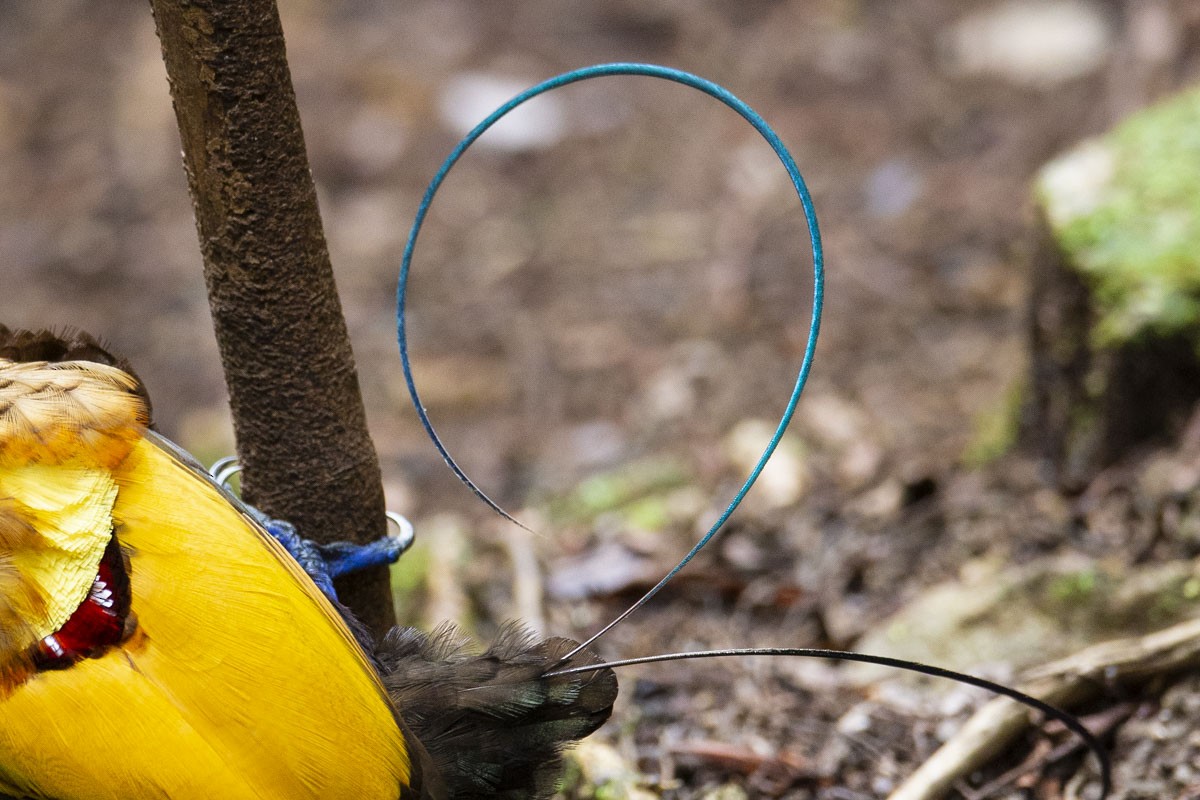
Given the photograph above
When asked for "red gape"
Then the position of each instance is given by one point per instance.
(97, 624)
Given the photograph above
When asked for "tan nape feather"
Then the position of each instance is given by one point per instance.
(73, 410)
(15, 528)
(19, 602)
(20, 599)
(67, 344)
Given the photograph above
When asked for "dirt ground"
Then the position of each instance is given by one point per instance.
(605, 319)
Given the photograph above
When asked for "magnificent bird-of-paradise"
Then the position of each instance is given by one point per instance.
(156, 642)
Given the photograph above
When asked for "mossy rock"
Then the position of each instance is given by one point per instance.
(1115, 327)
(1030, 614)
(1125, 211)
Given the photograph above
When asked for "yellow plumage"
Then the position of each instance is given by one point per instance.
(70, 508)
(239, 679)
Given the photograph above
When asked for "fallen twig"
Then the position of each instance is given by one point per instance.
(527, 580)
(1044, 754)
(1065, 683)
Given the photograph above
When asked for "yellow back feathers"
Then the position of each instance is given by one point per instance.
(233, 677)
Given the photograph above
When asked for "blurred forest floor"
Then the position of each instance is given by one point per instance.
(608, 311)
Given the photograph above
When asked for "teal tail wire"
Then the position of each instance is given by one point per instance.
(713, 90)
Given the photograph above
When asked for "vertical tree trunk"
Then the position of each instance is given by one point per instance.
(297, 409)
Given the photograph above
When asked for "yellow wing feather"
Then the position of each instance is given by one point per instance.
(70, 508)
(241, 680)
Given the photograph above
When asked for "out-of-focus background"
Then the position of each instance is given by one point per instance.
(610, 302)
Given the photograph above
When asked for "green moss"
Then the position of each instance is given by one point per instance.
(1072, 588)
(997, 428)
(572, 783)
(1175, 601)
(1125, 210)
(636, 489)
(408, 578)
(611, 790)
(1107, 600)
(649, 513)
(596, 771)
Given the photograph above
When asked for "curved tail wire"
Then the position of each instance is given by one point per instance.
(1069, 720)
(810, 216)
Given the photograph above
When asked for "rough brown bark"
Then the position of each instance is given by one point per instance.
(297, 409)
(1117, 665)
(1059, 320)
(1089, 405)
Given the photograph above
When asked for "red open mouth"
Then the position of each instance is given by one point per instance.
(98, 623)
